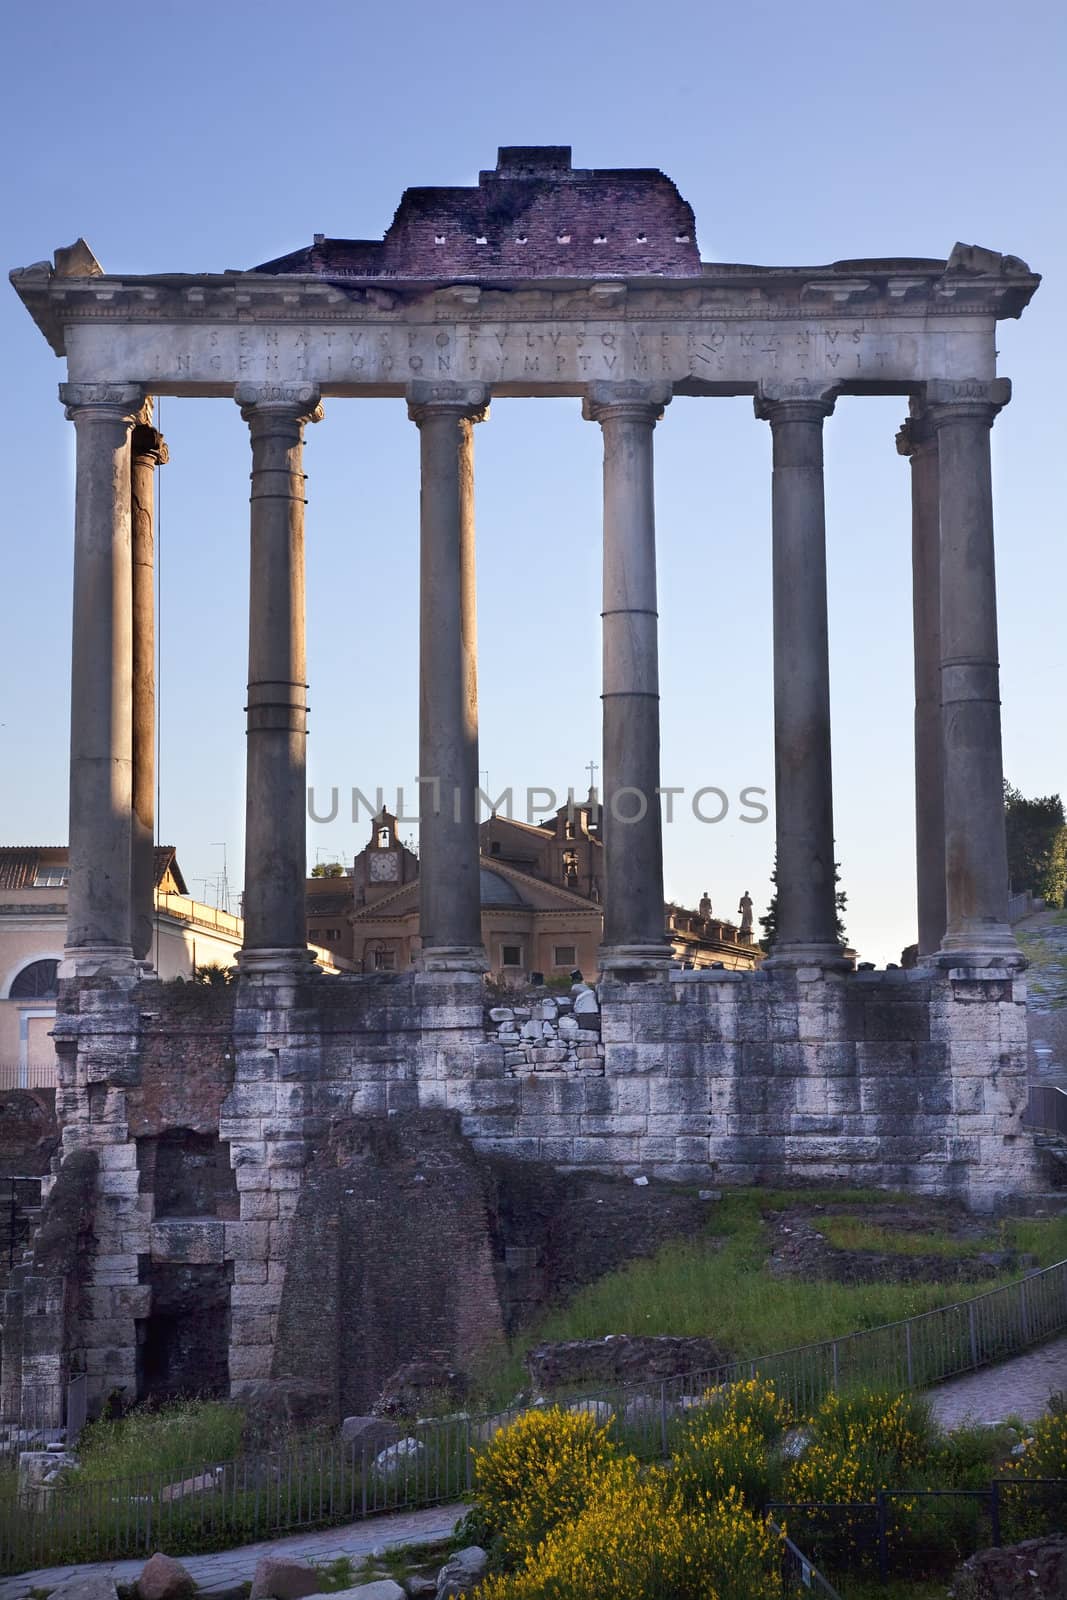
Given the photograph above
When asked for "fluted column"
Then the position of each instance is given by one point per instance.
(275, 937)
(98, 916)
(976, 860)
(634, 935)
(803, 784)
(450, 914)
(918, 441)
(148, 451)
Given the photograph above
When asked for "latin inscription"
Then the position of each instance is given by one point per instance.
(390, 354)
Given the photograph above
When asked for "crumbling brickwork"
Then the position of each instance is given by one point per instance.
(533, 216)
(911, 1080)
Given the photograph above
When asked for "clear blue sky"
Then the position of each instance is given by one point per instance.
(194, 137)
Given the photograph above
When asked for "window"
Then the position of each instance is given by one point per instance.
(51, 875)
(511, 955)
(38, 981)
(330, 935)
(385, 960)
(385, 838)
(494, 847)
(564, 955)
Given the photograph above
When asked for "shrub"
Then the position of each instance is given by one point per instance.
(539, 1471)
(1044, 1454)
(729, 1442)
(897, 1429)
(635, 1541)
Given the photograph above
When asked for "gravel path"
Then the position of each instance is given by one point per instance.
(228, 1568)
(1016, 1388)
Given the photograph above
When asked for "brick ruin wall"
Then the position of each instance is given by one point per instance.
(210, 1110)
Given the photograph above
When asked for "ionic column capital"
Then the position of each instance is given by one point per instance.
(469, 401)
(293, 402)
(626, 402)
(116, 401)
(148, 444)
(916, 435)
(800, 401)
(951, 400)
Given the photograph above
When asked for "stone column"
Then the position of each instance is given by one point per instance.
(976, 860)
(147, 452)
(918, 440)
(98, 915)
(275, 921)
(803, 785)
(634, 933)
(450, 909)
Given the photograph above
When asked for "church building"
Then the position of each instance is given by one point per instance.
(541, 888)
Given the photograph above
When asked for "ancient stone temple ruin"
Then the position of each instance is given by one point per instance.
(195, 1121)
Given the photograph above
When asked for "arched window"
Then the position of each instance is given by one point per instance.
(385, 838)
(36, 982)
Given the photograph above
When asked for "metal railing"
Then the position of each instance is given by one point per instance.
(1046, 1109)
(320, 1483)
(925, 1532)
(42, 1414)
(1022, 904)
(28, 1074)
(798, 1570)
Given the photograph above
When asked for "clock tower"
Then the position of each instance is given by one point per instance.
(384, 864)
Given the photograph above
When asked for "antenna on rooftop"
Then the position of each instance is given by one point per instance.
(223, 890)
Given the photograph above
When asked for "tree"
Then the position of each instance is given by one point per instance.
(1037, 844)
(769, 922)
(328, 869)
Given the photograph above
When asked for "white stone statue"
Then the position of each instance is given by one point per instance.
(744, 906)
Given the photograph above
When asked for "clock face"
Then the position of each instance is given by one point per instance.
(384, 866)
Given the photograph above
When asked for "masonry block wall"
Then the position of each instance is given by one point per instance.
(208, 1108)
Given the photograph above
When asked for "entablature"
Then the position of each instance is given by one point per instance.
(883, 325)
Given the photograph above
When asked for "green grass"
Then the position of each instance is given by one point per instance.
(1044, 1237)
(341, 1573)
(717, 1285)
(854, 1233)
(174, 1439)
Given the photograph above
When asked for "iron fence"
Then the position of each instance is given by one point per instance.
(41, 1414)
(315, 1484)
(925, 1533)
(319, 1483)
(1046, 1109)
(28, 1074)
(798, 1572)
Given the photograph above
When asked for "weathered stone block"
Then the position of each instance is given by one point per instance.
(197, 1241)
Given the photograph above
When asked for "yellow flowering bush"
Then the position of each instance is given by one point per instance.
(893, 1428)
(730, 1442)
(862, 1443)
(755, 1401)
(635, 1541)
(1044, 1455)
(1030, 1509)
(541, 1470)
